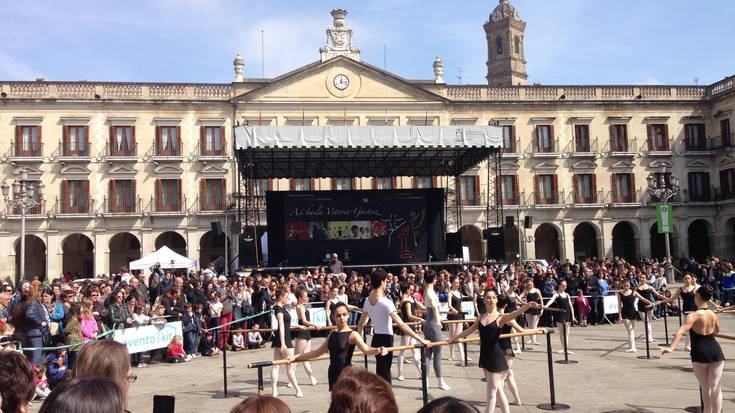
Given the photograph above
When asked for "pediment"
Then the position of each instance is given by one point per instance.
(168, 170)
(622, 165)
(122, 170)
(509, 165)
(726, 160)
(546, 166)
(33, 173)
(213, 170)
(697, 163)
(584, 164)
(316, 82)
(75, 170)
(659, 164)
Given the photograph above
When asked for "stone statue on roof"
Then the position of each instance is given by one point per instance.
(339, 39)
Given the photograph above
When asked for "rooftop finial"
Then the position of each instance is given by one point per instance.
(339, 39)
(239, 66)
(438, 70)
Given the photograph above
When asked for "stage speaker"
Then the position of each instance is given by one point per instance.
(509, 222)
(528, 222)
(454, 244)
(216, 228)
(486, 233)
(495, 244)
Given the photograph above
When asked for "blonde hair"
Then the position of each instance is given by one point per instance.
(175, 340)
(86, 308)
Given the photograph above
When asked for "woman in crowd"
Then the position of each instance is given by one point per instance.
(17, 382)
(564, 314)
(31, 321)
(647, 291)
(86, 395)
(627, 311)
(687, 293)
(302, 338)
(55, 311)
(73, 332)
(433, 329)
(405, 311)
(282, 343)
(706, 354)
(340, 344)
(359, 391)
(454, 303)
(105, 358)
(492, 357)
(532, 294)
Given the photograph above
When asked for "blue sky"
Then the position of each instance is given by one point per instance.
(567, 41)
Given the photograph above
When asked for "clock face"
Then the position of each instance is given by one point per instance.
(341, 82)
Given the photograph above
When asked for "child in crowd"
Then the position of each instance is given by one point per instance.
(192, 325)
(140, 319)
(583, 308)
(56, 366)
(208, 346)
(175, 352)
(89, 324)
(255, 340)
(238, 341)
(42, 389)
(157, 319)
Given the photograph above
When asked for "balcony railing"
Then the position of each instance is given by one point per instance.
(513, 148)
(724, 141)
(690, 196)
(539, 148)
(74, 149)
(129, 206)
(657, 149)
(622, 148)
(20, 150)
(121, 150)
(703, 144)
(210, 203)
(39, 209)
(582, 149)
(73, 206)
(168, 205)
(631, 197)
(589, 198)
(551, 199)
(166, 149)
(202, 152)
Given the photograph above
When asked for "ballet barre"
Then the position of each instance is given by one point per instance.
(725, 336)
(302, 328)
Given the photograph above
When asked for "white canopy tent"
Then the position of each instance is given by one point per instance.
(166, 257)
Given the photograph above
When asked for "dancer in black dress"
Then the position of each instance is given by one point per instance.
(708, 361)
(340, 344)
(492, 357)
(405, 311)
(302, 338)
(564, 317)
(282, 345)
(505, 304)
(647, 291)
(686, 292)
(532, 294)
(627, 311)
(454, 313)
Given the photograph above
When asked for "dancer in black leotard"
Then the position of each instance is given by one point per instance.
(492, 357)
(532, 294)
(504, 305)
(564, 317)
(708, 361)
(340, 344)
(454, 312)
(686, 292)
(302, 338)
(627, 311)
(282, 346)
(405, 311)
(647, 291)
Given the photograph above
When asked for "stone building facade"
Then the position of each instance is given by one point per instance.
(128, 167)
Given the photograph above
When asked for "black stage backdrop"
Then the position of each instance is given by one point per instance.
(363, 227)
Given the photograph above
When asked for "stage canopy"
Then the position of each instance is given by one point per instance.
(358, 151)
(166, 257)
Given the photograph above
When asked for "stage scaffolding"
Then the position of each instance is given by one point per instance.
(271, 152)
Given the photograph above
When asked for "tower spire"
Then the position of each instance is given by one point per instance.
(505, 31)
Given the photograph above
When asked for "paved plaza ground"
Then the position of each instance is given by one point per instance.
(606, 379)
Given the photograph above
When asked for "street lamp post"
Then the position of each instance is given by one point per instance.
(664, 191)
(22, 198)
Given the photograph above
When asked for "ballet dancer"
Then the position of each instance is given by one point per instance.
(340, 344)
(627, 312)
(505, 305)
(647, 291)
(433, 328)
(707, 359)
(564, 316)
(532, 294)
(454, 303)
(686, 292)
(405, 310)
(302, 337)
(513, 301)
(282, 343)
(492, 357)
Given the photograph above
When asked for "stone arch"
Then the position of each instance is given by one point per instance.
(173, 240)
(546, 240)
(78, 256)
(124, 247)
(585, 240)
(471, 237)
(35, 257)
(624, 241)
(211, 248)
(698, 237)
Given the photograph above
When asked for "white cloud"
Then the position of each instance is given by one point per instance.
(653, 81)
(13, 69)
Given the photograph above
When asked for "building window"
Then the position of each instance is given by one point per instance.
(585, 189)
(694, 137)
(509, 139)
(623, 188)
(27, 141)
(122, 141)
(168, 141)
(517, 44)
(727, 183)
(168, 195)
(383, 182)
(75, 141)
(342, 184)
(301, 184)
(658, 138)
(725, 134)
(468, 187)
(699, 186)
(212, 141)
(509, 189)
(544, 138)
(121, 195)
(545, 190)
(582, 138)
(498, 45)
(211, 194)
(75, 197)
(619, 138)
(423, 182)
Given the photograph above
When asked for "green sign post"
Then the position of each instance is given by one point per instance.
(664, 218)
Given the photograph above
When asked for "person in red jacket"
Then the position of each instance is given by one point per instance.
(176, 353)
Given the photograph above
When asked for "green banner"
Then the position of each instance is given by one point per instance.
(664, 218)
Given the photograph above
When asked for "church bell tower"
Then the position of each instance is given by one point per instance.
(506, 63)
